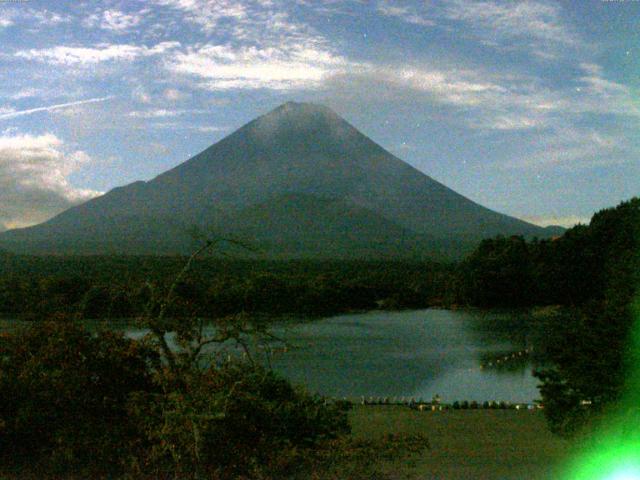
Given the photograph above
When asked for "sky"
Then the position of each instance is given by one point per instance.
(530, 108)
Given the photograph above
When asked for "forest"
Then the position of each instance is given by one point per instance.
(589, 263)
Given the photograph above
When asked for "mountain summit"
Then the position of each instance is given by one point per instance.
(299, 181)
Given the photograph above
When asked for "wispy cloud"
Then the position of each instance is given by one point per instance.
(175, 126)
(574, 148)
(45, 18)
(264, 48)
(25, 93)
(33, 17)
(163, 113)
(458, 87)
(174, 95)
(535, 25)
(481, 99)
(19, 113)
(513, 19)
(498, 100)
(406, 13)
(597, 94)
(64, 55)
(116, 20)
(222, 67)
(209, 13)
(6, 18)
(211, 129)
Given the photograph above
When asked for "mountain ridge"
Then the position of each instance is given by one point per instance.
(295, 149)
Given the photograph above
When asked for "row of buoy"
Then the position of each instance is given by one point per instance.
(500, 361)
(421, 405)
(503, 360)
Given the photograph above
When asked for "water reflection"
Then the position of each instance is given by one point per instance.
(414, 354)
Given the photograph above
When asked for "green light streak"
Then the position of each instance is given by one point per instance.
(613, 451)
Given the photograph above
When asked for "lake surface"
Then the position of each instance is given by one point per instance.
(407, 354)
(411, 354)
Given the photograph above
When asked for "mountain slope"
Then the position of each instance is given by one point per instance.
(297, 152)
(303, 225)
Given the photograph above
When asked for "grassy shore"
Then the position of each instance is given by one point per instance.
(468, 444)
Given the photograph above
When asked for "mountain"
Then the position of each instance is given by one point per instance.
(299, 181)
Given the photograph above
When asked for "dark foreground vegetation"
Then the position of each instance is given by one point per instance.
(79, 404)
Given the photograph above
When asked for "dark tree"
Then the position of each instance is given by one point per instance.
(589, 347)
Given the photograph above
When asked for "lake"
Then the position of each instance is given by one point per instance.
(408, 354)
(412, 354)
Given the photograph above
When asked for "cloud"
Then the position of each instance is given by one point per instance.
(583, 123)
(173, 95)
(141, 95)
(25, 93)
(537, 26)
(532, 25)
(596, 94)
(32, 17)
(260, 47)
(263, 46)
(64, 55)
(19, 113)
(118, 21)
(210, 129)
(575, 148)
(45, 17)
(475, 97)
(6, 18)
(152, 148)
(223, 67)
(177, 126)
(208, 13)
(508, 121)
(406, 13)
(458, 87)
(34, 178)
(492, 100)
(162, 113)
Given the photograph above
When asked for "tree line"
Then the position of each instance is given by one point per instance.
(118, 288)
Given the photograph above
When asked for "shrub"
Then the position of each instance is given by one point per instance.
(64, 395)
(76, 403)
(233, 420)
